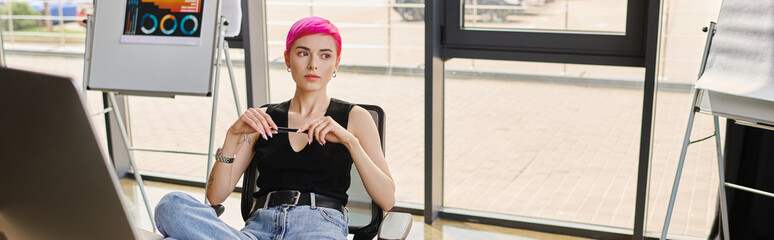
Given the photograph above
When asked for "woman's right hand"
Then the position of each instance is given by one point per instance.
(254, 120)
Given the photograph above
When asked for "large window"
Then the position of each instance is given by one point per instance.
(52, 20)
(567, 147)
(533, 142)
(563, 141)
(545, 33)
(605, 16)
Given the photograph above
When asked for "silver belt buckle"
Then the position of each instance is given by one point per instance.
(296, 196)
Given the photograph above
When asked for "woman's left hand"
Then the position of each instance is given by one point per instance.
(325, 129)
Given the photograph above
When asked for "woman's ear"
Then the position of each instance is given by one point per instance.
(287, 59)
(338, 59)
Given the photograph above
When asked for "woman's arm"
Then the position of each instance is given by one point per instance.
(366, 151)
(240, 137)
(362, 140)
(224, 176)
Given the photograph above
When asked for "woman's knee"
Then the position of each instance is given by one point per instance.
(173, 202)
(170, 207)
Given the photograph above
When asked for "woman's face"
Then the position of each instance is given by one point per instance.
(312, 61)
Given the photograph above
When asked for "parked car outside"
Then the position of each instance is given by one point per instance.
(417, 13)
(70, 8)
(410, 14)
(497, 14)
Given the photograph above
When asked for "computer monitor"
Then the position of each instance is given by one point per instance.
(55, 180)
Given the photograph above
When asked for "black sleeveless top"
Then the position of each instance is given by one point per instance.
(319, 169)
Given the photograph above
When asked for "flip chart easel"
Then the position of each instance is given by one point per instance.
(743, 110)
(111, 86)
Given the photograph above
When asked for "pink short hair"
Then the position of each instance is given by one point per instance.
(312, 25)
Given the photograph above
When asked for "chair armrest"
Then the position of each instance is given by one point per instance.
(395, 226)
(219, 209)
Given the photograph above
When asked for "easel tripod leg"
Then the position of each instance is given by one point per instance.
(231, 76)
(124, 135)
(214, 105)
(722, 181)
(680, 164)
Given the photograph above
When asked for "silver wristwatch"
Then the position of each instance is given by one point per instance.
(220, 158)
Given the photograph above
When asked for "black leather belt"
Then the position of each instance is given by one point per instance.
(295, 198)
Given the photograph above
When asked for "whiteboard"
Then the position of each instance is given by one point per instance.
(160, 69)
(741, 57)
(736, 107)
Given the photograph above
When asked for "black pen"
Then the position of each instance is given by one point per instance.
(287, 130)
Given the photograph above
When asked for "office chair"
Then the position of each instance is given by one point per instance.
(365, 217)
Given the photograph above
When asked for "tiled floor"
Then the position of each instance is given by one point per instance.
(441, 229)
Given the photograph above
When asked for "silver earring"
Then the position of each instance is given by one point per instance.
(334, 74)
(288, 69)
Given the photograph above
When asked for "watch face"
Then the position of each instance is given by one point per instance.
(220, 158)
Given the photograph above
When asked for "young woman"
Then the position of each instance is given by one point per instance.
(304, 175)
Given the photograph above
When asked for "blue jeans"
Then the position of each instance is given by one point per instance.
(180, 216)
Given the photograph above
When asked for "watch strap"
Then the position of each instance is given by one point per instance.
(220, 158)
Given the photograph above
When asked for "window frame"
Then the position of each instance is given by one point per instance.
(577, 47)
(444, 40)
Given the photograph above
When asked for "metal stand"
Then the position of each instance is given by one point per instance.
(2, 49)
(687, 141)
(222, 47)
(117, 117)
(135, 170)
(87, 54)
(681, 162)
(722, 184)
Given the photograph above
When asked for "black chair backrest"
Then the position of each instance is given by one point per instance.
(364, 215)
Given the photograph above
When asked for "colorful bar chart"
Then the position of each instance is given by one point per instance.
(178, 6)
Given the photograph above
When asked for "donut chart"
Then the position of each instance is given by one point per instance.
(168, 17)
(193, 29)
(155, 23)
